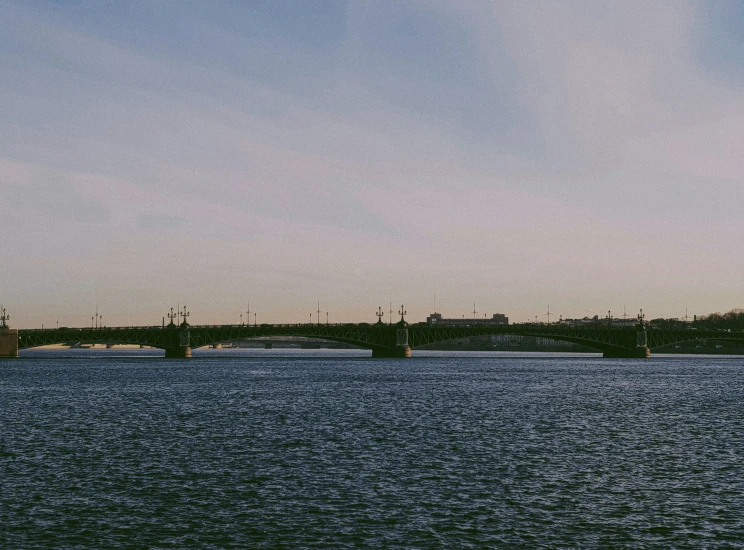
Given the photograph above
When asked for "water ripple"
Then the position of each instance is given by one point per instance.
(349, 452)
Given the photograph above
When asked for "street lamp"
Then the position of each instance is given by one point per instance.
(379, 314)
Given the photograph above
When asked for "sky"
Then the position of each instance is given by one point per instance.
(276, 154)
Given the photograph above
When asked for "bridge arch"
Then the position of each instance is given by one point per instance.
(364, 336)
(610, 342)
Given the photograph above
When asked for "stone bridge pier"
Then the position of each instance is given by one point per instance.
(397, 351)
(402, 347)
(638, 351)
(178, 342)
(8, 342)
(178, 353)
(634, 353)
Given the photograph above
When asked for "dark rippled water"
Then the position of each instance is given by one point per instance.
(107, 450)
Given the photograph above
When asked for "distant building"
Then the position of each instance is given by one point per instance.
(596, 322)
(497, 319)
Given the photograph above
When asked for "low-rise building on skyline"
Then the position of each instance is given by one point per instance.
(438, 319)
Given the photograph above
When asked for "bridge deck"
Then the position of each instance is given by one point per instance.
(373, 336)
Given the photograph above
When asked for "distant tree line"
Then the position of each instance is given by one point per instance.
(733, 320)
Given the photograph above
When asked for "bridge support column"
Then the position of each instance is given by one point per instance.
(178, 353)
(397, 351)
(630, 353)
(8, 343)
(402, 348)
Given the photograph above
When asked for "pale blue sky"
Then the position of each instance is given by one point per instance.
(582, 153)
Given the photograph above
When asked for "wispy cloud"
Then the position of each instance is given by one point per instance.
(499, 151)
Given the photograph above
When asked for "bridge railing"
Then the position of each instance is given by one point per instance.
(80, 329)
(286, 325)
(310, 325)
(541, 326)
(236, 326)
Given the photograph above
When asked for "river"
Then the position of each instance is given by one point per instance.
(319, 449)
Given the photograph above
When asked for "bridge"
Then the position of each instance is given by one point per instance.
(384, 340)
